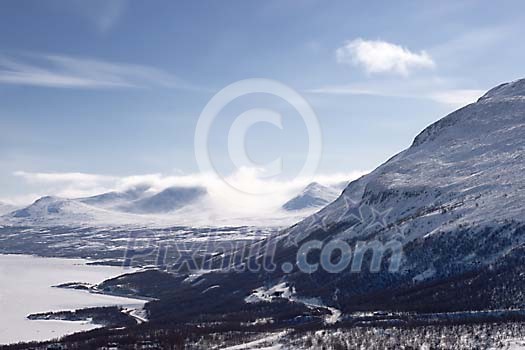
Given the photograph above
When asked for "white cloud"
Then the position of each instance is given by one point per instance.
(377, 56)
(65, 72)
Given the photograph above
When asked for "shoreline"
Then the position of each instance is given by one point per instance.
(27, 287)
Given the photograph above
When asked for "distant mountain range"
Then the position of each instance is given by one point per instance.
(110, 207)
(140, 204)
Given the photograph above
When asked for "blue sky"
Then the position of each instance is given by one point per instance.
(96, 91)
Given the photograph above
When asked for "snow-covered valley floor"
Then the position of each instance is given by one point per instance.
(26, 287)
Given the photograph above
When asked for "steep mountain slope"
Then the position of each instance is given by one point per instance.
(314, 195)
(450, 207)
(453, 199)
(469, 162)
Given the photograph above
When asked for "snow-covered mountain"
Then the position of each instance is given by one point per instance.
(464, 169)
(168, 200)
(146, 208)
(140, 200)
(450, 207)
(115, 208)
(176, 205)
(314, 196)
(454, 199)
(56, 211)
(114, 198)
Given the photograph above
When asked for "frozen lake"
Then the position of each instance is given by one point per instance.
(25, 288)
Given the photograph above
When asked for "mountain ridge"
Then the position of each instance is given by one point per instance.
(460, 175)
(452, 201)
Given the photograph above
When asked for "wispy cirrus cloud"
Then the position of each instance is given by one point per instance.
(109, 15)
(102, 15)
(449, 96)
(456, 97)
(377, 56)
(84, 179)
(62, 71)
